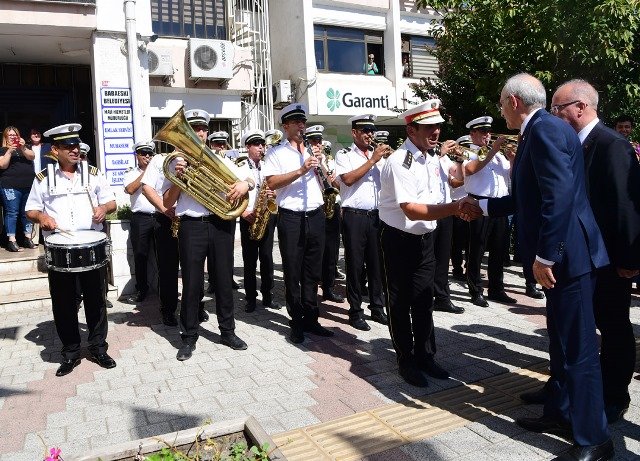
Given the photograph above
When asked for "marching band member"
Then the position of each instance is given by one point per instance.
(201, 234)
(290, 170)
(58, 201)
(262, 249)
(487, 178)
(410, 185)
(332, 231)
(142, 219)
(166, 245)
(358, 170)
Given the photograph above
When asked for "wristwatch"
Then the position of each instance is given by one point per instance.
(252, 185)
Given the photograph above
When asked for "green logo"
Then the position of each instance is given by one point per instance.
(334, 99)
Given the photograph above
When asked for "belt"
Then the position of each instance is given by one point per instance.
(403, 234)
(205, 218)
(305, 214)
(369, 213)
(478, 197)
(143, 213)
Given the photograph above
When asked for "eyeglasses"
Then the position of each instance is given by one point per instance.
(558, 107)
(145, 154)
(367, 130)
(257, 143)
(499, 104)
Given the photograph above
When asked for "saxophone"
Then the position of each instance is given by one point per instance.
(264, 208)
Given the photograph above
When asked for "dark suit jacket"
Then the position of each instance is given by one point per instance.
(613, 186)
(548, 193)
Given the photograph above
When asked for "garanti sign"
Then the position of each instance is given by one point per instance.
(354, 99)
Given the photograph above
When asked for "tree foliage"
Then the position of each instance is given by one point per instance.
(483, 42)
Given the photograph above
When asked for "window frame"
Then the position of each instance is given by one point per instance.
(411, 39)
(177, 26)
(369, 38)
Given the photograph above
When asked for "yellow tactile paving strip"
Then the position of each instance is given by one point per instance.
(361, 434)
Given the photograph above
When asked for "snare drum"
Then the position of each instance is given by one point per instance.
(83, 250)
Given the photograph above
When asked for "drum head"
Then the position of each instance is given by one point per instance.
(78, 237)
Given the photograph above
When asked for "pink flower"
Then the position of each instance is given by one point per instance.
(54, 455)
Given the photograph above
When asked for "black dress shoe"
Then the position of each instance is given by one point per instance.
(413, 375)
(433, 369)
(13, 247)
(546, 425)
(318, 329)
(67, 367)
(615, 412)
(104, 360)
(184, 353)
(203, 315)
(538, 397)
(296, 336)
(447, 306)
(28, 243)
(479, 300)
(533, 292)
(251, 306)
(601, 452)
(138, 297)
(329, 295)
(231, 340)
(502, 297)
(378, 315)
(235, 285)
(169, 320)
(359, 324)
(272, 304)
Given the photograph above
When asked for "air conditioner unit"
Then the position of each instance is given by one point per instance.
(160, 63)
(282, 92)
(210, 59)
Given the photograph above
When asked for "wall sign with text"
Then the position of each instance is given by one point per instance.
(340, 99)
(117, 132)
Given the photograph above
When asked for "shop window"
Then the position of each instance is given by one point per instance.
(417, 57)
(192, 18)
(348, 51)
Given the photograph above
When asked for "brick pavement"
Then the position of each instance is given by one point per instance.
(286, 387)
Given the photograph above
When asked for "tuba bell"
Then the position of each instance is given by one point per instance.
(206, 178)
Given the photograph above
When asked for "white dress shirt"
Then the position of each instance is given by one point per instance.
(139, 203)
(303, 194)
(492, 180)
(256, 171)
(363, 194)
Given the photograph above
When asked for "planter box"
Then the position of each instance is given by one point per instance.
(122, 265)
(253, 432)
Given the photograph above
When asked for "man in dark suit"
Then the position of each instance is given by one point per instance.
(559, 238)
(613, 175)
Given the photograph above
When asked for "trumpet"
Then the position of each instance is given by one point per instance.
(460, 153)
(273, 137)
(511, 143)
(375, 144)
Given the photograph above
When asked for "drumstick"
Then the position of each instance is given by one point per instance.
(63, 232)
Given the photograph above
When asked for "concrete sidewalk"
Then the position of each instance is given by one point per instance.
(337, 398)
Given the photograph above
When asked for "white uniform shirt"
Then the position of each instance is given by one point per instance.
(492, 180)
(153, 175)
(187, 205)
(139, 203)
(256, 170)
(363, 194)
(303, 194)
(445, 164)
(66, 200)
(420, 183)
(36, 161)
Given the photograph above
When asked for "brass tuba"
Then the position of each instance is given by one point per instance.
(206, 178)
(264, 208)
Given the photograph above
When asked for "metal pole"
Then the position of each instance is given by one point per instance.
(133, 67)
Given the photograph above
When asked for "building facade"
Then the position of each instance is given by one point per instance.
(322, 48)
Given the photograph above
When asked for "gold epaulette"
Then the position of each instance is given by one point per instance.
(93, 170)
(41, 175)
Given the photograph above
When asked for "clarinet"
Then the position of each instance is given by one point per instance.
(329, 192)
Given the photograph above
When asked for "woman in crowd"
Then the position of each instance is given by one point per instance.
(16, 177)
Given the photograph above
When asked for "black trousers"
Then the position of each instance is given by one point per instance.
(408, 266)
(611, 304)
(487, 233)
(331, 248)
(142, 234)
(459, 243)
(442, 251)
(360, 235)
(301, 238)
(167, 257)
(252, 251)
(197, 239)
(65, 314)
(211, 265)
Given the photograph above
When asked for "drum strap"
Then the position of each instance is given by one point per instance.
(84, 169)
(51, 179)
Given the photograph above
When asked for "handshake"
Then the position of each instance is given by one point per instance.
(468, 209)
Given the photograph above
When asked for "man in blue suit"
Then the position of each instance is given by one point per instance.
(559, 238)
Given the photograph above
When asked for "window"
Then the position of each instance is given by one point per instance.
(417, 57)
(165, 148)
(347, 51)
(193, 18)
